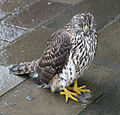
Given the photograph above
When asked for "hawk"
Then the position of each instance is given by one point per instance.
(69, 53)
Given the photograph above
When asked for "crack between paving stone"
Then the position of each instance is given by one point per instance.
(110, 23)
(100, 96)
(66, 2)
(14, 11)
(50, 19)
(90, 104)
(13, 87)
(106, 63)
(10, 43)
(25, 6)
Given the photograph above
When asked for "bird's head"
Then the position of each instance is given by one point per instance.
(83, 22)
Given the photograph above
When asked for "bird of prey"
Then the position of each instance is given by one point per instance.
(69, 53)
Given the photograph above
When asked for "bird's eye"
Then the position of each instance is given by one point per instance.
(80, 25)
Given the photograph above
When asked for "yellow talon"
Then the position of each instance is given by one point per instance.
(77, 89)
(69, 95)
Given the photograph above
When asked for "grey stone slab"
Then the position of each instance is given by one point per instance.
(108, 104)
(109, 44)
(43, 103)
(2, 14)
(7, 81)
(3, 44)
(9, 33)
(98, 78)
(8, 6)
(27, 48)
(103, 10)
(35, 14)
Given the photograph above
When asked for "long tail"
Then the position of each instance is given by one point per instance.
(23, 68)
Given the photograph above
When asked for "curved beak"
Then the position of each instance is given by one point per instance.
(86, 29)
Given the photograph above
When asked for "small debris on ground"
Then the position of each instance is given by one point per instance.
(30, 98)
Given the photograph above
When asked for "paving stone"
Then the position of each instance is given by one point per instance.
(9, 34)
(103, 10)
(35, 14)
(108, 104)
(7, 6)
(98, 78)
(3, 44)
(2, 14)
(109, 44)
(44, 102)
(26, 49)
(8, 81)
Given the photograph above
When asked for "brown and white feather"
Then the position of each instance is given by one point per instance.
(69, 52)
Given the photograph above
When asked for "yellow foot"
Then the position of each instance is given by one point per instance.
(69, 95)
(77, 89)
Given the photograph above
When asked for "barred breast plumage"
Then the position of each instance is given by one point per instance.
(69, 52)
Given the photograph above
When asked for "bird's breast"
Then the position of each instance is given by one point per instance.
(83, 53)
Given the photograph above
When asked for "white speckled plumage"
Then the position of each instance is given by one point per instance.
(74, 68)
(69, 52)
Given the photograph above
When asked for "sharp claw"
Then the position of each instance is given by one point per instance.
(66, 101)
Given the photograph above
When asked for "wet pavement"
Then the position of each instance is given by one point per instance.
(9, 34)
(8, 81)
(28, 48)
(109, 104)
(10, 6)
(25, 27)
(99, 8)
(35, 14)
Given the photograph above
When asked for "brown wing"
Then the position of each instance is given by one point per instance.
(55, 56)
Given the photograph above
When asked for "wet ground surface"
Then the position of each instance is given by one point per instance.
(7, 81)
(25, 27)
(109, 104)
(35, 14)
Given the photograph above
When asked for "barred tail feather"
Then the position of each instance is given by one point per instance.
(23, 68)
